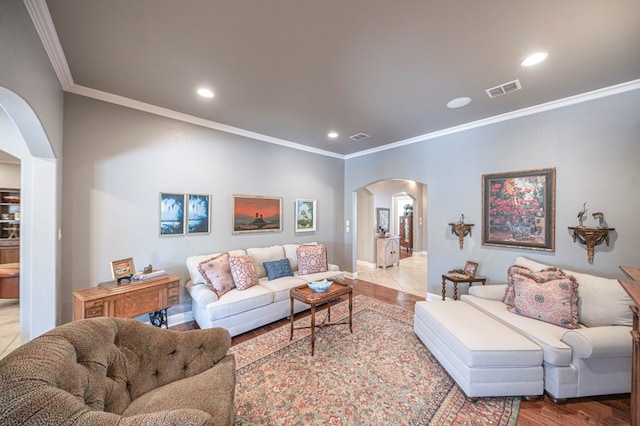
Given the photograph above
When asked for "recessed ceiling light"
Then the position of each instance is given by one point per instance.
(534, 59)
(205, 93)
(458, 102)
(332, 135)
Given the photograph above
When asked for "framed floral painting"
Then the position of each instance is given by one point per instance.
(305, 215)
(518, 209)
(256, 214)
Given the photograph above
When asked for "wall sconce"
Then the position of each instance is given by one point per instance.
(591, 237)
(461, 229)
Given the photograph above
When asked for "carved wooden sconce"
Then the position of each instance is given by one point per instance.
(591, 237)
(461, 229)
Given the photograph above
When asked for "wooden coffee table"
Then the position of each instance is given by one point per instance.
(305, 295)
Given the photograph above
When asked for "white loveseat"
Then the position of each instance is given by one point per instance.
(242, 311)
(594, 359)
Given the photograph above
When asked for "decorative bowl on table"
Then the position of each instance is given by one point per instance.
(320, 286)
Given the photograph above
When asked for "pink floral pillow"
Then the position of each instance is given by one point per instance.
(217, 273)
(243, 272)
(541, 276)
(311, 259)
(554, 301)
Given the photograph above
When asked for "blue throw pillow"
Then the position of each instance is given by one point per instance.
(278, 268)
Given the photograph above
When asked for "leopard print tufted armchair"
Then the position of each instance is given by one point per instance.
(108, 371)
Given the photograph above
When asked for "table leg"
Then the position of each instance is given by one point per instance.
(313, 328)
(329, 311)
(455, 290)
(444, 289)
(292, 314)
(351, 312)
(159, 318)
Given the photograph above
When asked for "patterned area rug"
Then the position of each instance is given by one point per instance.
(379, 375)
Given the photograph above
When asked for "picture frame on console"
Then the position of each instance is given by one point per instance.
(123, 268)
(198, 217)
(518, 209)
(382, 218)
(172, 214)
(470, 269)
(305, 215)
(252, 213)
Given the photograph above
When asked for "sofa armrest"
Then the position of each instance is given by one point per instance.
(201, 293)
(491, 292)
(333, 268)
(599, 342)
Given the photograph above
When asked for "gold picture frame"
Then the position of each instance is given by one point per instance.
(122, 268)
(519, 209)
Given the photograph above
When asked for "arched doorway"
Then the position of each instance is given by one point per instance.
(384, 194)
(24, 138)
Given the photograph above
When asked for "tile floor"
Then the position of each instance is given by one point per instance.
(9, 326)
(409, 277)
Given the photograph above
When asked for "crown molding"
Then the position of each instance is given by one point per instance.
(536, 109)
(39, 13)
(168, 113)
(43, 23)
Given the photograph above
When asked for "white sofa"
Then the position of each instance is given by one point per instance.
(594, 359)
(242, 311)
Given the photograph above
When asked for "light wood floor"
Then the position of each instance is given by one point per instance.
(611, 410)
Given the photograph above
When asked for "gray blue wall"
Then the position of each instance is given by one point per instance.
(594, 147)
(118, 160)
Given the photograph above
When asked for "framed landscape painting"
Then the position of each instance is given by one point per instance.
(198, 207)
(256, 214)
(305, 215)
(518, 209)
(172, 214)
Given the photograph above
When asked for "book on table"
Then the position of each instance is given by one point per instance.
(141, 276)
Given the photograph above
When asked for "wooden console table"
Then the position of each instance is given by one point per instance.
(129, 300)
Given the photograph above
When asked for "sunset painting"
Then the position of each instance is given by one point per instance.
(256, 214)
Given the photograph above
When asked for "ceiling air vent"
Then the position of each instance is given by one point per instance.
(503, 89)
(359, 136)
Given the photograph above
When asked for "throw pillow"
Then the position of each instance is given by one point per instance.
(541, 276)
(243, 272)
(278, 268)
(311, 259)
(217, 274)
(554, 301)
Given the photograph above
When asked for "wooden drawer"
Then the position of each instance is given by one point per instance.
(137, 303)
(93, 312)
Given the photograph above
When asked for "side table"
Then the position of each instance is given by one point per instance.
(129, 300)
(455, 279)
(304, 294)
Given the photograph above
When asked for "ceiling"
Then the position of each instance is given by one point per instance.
(290, 71)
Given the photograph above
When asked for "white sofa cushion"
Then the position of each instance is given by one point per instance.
(235, 302)
(547, 336)
(281, 286)
(264, 254)
(193, 262)
(602, 301)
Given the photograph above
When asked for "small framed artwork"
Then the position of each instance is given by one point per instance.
(198, 207)
(382, 216)
(256, 214)
(123, 268)
(519, 209)
(305, 215)
(172, 214)
(470, 269)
